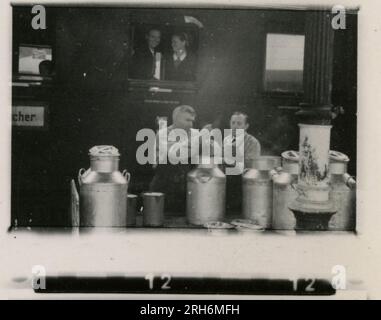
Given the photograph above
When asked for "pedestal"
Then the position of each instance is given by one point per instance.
(313, 209)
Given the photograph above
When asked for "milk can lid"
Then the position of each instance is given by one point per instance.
(336, 156)
(104, 151)
(266, 162)
(209, 162)
(291, 155)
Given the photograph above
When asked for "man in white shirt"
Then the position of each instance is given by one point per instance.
(249, 148)
(245, 144)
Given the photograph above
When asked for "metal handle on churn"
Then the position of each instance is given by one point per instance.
(203, 178)
(80, 174)
(126, 175)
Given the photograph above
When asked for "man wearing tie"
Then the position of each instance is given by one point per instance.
(181, 65)
(145, 62)
(250, 148)
(246, 144)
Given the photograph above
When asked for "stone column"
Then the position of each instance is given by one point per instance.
(313, 208)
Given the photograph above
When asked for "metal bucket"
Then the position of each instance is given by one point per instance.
(153, 209)
(131, 209)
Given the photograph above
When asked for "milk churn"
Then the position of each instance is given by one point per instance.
(206, 188)
(284, 193)
(343, 193)
(258, 190)
(103, 190)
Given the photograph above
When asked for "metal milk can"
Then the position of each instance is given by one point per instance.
(103, 190)
(284, 192)
(343, 193)
(206, 189)
(258, 190)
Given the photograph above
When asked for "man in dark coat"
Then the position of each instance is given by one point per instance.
(171, 178)
(181, 65)
(143, 62)
(184, 70)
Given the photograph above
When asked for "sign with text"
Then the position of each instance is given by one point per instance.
(28, 116)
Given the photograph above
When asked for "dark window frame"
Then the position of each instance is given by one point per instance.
(147, 84)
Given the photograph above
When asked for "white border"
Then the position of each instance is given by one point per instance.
(177, 252)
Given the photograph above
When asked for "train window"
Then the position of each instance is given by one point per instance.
(164, 52)
(284, 63)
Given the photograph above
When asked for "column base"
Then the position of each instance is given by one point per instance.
(312, 215)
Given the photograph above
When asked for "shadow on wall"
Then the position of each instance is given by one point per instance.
(280, 135)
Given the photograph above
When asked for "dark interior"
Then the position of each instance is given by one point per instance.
(104, 107)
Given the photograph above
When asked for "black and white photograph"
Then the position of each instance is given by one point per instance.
(189, 150)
